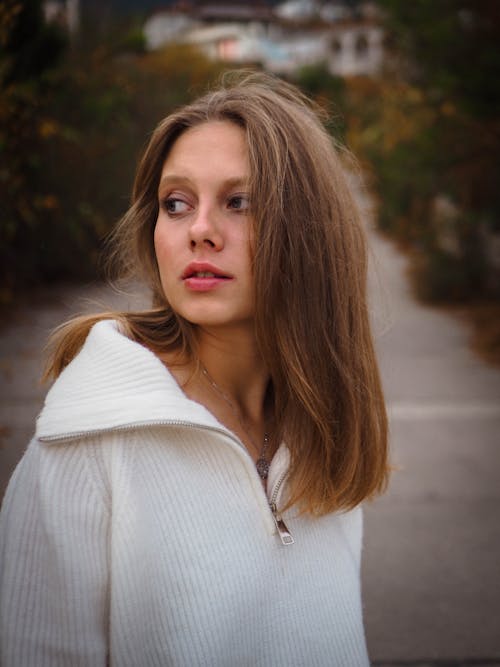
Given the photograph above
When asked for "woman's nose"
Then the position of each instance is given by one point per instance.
(205, 230)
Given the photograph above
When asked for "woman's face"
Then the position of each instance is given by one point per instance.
(203, 231)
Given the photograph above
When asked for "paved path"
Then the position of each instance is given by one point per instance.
(21, 344)
(432, 544)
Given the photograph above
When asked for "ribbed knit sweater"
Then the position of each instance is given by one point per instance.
(136, 531)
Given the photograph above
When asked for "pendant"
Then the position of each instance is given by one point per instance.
(262, 467)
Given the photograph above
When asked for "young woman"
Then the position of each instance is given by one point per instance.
(192, 493)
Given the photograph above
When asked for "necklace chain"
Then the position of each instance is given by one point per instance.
(262, 463)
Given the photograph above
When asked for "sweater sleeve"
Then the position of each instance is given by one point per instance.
(54, 536)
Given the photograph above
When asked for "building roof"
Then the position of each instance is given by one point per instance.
(226, 10)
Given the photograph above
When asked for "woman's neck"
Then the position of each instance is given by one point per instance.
(234, 364)
(230, 379)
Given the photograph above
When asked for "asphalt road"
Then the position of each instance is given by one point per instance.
(431, 573)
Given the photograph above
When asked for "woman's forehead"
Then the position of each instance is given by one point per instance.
(213, 148)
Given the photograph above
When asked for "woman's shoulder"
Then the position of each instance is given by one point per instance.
(113, 383)
(107, 361)
(110, 381)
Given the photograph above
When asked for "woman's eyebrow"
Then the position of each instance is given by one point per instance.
(170, 179)
(175, 179)
(241, 181)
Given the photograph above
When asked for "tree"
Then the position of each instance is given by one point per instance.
(28, 46)
(445, 56)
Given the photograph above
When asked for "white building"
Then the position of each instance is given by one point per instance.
(230, 42)
(165, 27)
(64, 12)
(356, 48)
(240, 34)
(297, 10)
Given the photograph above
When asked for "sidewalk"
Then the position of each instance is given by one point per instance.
(432, 544)
(431, 572)
(21, 344)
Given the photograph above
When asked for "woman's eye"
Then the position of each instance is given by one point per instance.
(175, 206)
(239, 203)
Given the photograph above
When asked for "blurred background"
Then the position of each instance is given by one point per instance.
(413, 90)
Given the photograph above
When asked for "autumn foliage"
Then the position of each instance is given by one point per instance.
(73, 121)
(430, 131)
(74, 118)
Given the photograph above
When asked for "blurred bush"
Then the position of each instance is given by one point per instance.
(328, 91)
(430, 133)
(75, 117)
(73, 122)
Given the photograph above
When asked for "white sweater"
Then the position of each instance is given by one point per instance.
(136, 531)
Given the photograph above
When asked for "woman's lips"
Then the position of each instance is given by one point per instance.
(203, 277)
(199, 283)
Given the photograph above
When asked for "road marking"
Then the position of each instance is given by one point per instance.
(413, 410)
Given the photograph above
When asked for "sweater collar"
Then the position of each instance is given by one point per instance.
(115, 383)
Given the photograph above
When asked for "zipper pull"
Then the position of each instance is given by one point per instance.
(285, 535)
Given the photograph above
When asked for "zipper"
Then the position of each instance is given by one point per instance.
(283, 532)
(138, 425)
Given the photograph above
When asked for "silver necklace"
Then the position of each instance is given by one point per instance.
(262, 464)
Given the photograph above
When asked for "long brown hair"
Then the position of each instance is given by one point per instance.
(310, 269)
